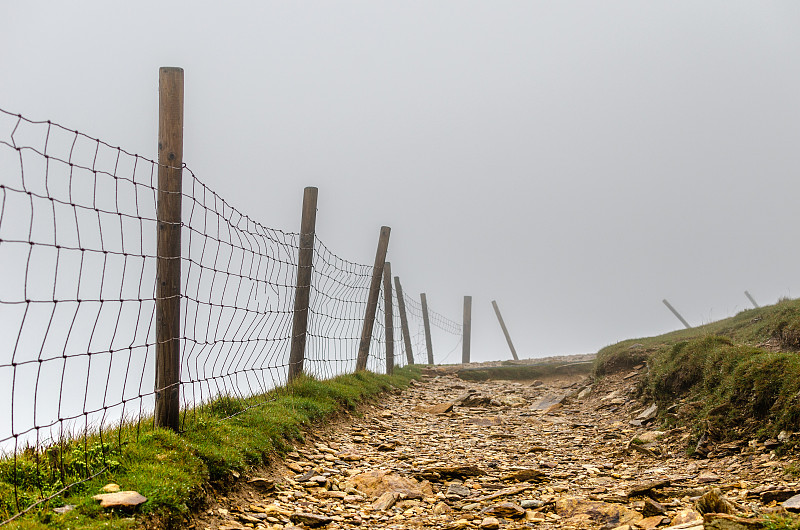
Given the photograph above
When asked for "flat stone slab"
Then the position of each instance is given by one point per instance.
(792, 503)
(440, 408)
(309, 519)
(549, 400)
(454, 471)
(377, 482)
(120, 499)
(505, 509)
(525, 475)
(262, 483)
(648, 413)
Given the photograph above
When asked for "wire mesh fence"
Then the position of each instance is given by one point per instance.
(338, 301)
(446, 328)
(237, 299)
(77, 232)
(78, 295)
(77, 241)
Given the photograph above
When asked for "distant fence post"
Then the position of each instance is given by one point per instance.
(372, 301)
(302, 293)
(675, 312)
(467, 329)
(752, 301)
(505, 330)
(401, 303)
(426, 321)
(388, 311)
(168, 248)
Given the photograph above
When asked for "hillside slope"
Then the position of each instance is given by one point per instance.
(733, 379)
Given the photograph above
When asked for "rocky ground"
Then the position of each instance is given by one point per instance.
(558, 453)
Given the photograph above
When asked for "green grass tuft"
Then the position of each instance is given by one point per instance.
(782, 522)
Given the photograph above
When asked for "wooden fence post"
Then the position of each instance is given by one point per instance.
(467, 329)
(302, 293)
(401, 302)
(389, 317)
(426, 321)
(372, 301)
(505, 330)
(752, 300)
(675, 312)
(168, 248)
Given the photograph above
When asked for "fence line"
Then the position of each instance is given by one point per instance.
(78, 234)
(438, 321)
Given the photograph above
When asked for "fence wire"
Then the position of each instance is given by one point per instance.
(447, 329)
(237, 299)
(337, 305)
(78, 247)
(77, 238)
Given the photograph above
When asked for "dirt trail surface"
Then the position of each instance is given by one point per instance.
(558, 453)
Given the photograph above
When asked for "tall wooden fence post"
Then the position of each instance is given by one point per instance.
(372, 301)
(467, 329)
(675, 312)
(752, 300)
(426, 321)
(302, 293)
(505, 330)
(388, 311)
(401, 303)
(168, 248)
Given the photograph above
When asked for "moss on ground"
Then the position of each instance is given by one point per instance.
(170, 469)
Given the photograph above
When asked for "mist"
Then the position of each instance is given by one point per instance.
(577, 162)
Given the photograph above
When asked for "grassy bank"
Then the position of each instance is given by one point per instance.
(172, 470)
(513, 371)
(732, 379)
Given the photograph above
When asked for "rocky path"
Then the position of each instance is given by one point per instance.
(451, 454)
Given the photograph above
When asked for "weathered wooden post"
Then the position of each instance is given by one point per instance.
(505, 330)
(302, 293)
(467, 329)
(372, 301)
(752, 300)
(675, 312)
(388, 311)
(401, 302)
(426, 321)
(168, 248)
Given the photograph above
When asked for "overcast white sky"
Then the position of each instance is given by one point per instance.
(575, 161)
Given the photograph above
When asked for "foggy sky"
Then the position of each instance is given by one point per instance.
(575, 161)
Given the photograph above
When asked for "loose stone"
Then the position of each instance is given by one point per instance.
(481, 454)
(490, 523)
(309, 519)
(121, 499)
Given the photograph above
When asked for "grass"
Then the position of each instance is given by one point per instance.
(782, 522)
(778, 324)
(171, 470)
(524, 371)
(731, 379)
